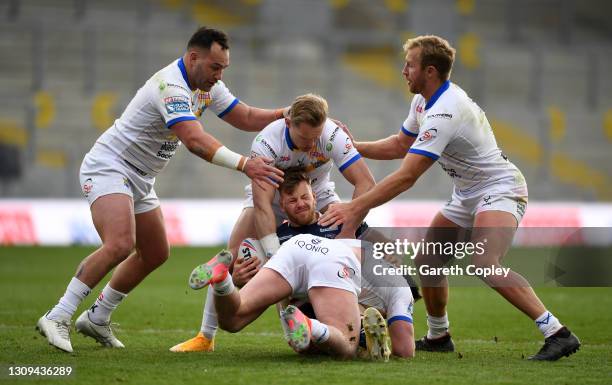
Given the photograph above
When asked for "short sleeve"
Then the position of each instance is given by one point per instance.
(435, 134)
(340, 148)
(410, 127)
(173, 102)
(223, 101)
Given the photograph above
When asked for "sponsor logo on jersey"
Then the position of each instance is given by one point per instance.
(171, 85)
(284, 158)
(267, 145)
(333, 135)
(329, 146)
(177, 104)
(87, 187)
(430, 134)
(348, 146)
(126, 182)
(346, 272)
(419, 108)
(311, 247)
(440, 116)
(451, 172)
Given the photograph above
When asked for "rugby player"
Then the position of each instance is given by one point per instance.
(306, 140)
(297, 200)
(326, 271)
(118, 174)
(489, 195)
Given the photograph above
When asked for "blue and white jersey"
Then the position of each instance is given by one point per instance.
(454, 130)
(142, 134)
(334, 147)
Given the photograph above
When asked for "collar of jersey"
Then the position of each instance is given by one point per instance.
(288, 139)
(181, 66)
(437, 94)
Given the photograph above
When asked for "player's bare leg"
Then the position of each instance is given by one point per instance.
(338, 310)
(238, 309)
(151, 251)
(402, 339)
(113, 218)
(204, 340)
(435, 288)
(498, 228)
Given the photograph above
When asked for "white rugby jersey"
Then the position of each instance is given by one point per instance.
(333, 146)
(142, 135)
(454, 130)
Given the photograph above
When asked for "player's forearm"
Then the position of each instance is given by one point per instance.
(202, 144)
(213, 151)
(390, 187)
(383, 149)
(265, 221)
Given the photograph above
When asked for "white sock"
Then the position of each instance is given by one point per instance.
(209, 318)
(437, 326)
(100, 312)
(548, 324)
(225, 287)
(68, 304)
(319, 331)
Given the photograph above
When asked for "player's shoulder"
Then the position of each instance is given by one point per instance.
(274, 131)
(453, 98)
(448, 105)
(330, 131)
(169, 80)
(219, 88)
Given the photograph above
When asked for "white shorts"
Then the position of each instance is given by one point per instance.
(103, 172)
(462, 210)
(325, 195)
(307, 261)
(395, 301)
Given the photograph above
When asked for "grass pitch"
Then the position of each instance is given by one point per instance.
(492, 338)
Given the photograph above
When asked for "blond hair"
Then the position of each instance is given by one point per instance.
(435, 51)
(310, 109)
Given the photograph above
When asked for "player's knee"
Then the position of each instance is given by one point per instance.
(231, 324)
(403, 351)
(120, 247)
(485, 261)
(159, 256)
(346, 354)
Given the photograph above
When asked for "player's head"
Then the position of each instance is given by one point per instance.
(207, 57)
(306, 120)
(428, 58)
(297, 199)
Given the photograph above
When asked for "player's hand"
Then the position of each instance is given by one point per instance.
(337, 214)
(261, 172)
(244, 270)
